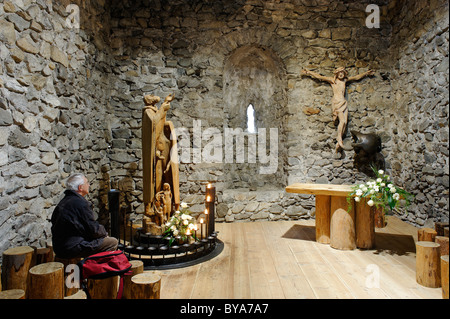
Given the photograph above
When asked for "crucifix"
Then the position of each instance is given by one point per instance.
(338, 102)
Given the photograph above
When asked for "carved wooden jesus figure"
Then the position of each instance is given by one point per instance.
(338, 102)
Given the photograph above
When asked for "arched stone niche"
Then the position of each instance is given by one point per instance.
(255, 75)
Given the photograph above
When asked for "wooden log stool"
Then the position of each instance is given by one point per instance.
(46, 281)
(364, 225)
(443, 241)
(145, 286)
(426, 234)
(106, 288)
(80, 294)
(444, 276)
(17, 262)
(137, 267)
(428, 264)
(71, 275)
(439, 227)
(43, 255)
(12, 294)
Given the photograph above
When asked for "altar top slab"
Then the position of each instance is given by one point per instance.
(319, 189)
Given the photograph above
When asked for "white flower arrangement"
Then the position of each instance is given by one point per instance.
(379, 192)
(181, 224)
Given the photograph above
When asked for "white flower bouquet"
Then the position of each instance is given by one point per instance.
(181, 225)
(379, 192)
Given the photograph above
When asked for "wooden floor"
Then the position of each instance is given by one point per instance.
(273, 260)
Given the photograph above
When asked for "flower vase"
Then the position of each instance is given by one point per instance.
(379, 217)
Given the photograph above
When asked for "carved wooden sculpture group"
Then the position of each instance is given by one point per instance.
(160, 164)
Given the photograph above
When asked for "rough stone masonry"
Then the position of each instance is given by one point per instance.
(71, 100)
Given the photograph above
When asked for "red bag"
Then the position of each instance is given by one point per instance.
(104, 265)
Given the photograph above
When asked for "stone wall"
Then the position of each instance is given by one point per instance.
(71, 100)
(54, 94)
(419, 103)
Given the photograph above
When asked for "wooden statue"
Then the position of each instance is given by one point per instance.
(160, 161)
(338, 102)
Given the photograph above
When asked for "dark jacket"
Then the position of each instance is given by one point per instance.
(74, 230)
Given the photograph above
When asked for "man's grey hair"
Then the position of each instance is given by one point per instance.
(74, 181)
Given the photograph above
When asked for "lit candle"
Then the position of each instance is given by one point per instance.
(209, 185)
(207, 222)
(208, 198)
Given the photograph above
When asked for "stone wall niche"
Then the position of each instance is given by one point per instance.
(255, 75)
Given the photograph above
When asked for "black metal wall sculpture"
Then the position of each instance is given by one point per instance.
(367, 149)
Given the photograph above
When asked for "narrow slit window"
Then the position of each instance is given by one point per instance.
(250, 119)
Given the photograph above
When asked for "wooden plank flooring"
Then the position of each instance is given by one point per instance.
(281, 260)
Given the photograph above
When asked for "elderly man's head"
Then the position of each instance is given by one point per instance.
(78, 183)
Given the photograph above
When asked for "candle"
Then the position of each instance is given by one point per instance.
(207, 223)
(209, 185)
(201, 227)
(208, 198)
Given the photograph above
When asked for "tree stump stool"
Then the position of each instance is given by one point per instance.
(17, 262)
(71, 275)
(137, 267)
(43, 255)
(106, 288)
(439, 228)
(428, 264)
(12, 294)
(46, 281)
(342, 231)
(426, 234)
(80, 294)
(444, 276)
(364, 225)
(443, 241)
(145, 286)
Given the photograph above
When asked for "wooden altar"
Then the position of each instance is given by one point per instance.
(336, 224)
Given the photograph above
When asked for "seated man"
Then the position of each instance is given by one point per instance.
(75, 233)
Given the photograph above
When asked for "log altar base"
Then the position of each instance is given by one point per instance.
(342, 230)
(365, 225)
(329, 198)
(428, 264)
